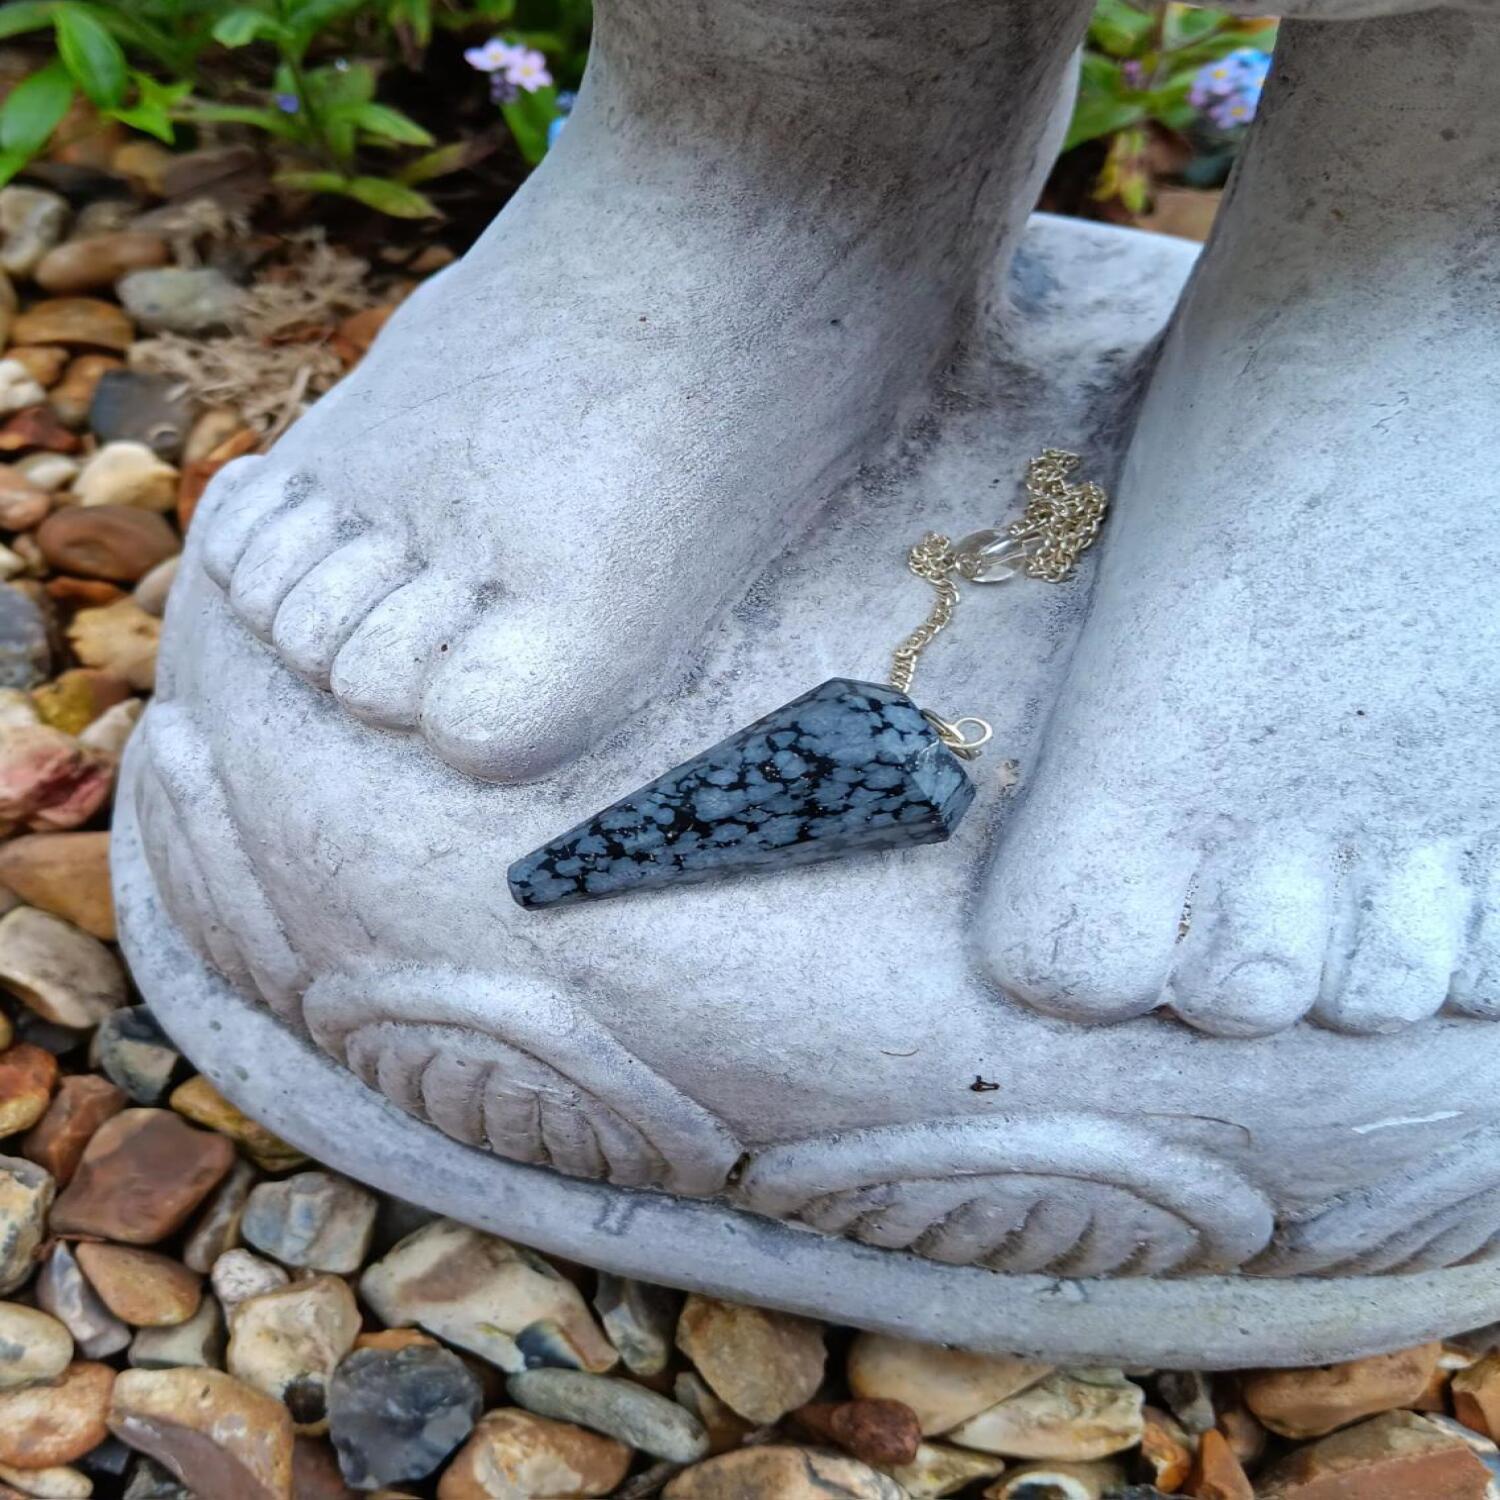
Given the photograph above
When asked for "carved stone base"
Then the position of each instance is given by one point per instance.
(1202, 1322)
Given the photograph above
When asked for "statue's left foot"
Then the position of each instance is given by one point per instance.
(1270, 789)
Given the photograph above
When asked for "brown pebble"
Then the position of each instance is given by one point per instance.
(514, 1453)
(57, 1421)
(140, 1287)
(98, 261)
(1166, 1446)
(27, 1077)
(358, 331)
(197, 473)
(315, 1472)
(141, 1177)
(199, 1101)
(1395, 1456)
(72, 397)
(117, 542)
(1476, 1396)
(84, 1101)
(36, 427)
(22, 503)
(43, 362)
(1310, 1403)
(394, 1338)
(883, 1433)
(76, 322)
(782, 1472)
(66, 874)
(1217, 1474)
(220, 1436)
(84, 593)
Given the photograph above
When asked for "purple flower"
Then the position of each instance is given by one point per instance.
(288, 104)
(1228, 91)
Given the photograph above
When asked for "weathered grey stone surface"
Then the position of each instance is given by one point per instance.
(1272, 734)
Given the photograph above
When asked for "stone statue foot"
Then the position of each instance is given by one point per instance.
(733, 283)
(1269, 788)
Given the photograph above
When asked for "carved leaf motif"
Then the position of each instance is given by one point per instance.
(1062, 1195)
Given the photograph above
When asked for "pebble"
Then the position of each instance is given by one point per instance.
(141, 1177)
(109, 732)
(151, 592)
(127, 473)
(49, 780)
(501, 1301)
(27, 1077)
(58, 1421)
(395, 1416)
(140, 1287)
(218, 1226)
(1395, 1456)
(515, 1455)
(44, 362)
(97, 262)
(32, 221)
(199, 1101)
(1217, 1474)
(639, 1320)
(217, 1434)
(199, 1340)
(149, 1481)
(63, 1290)
(57, 1483)
(761, 1363)
(1311, 1403)
(66, 874)
(120, 637)
(1167, 1448)
(49, 472)
(33, 1346)
(71, 702)
(237, 1275)
(1476, 1395)
(618, 1408)
(1190, 1397)
(58, 970)
(782, 1472)
(23, 502)
(177, 300)
(25, 655)
(134, 1053)
(726, 1429)
(75, 323)
(212, 427)
(25, 1196)
(1058, 1481)
(18, 387)
(315, 1220)
(73, 397)
(36, 427)
(939, 1470)
(1063, 1417)
(114, 542)
(315, 1472)
(882, 1433)
(288, 1342)
(134, 406)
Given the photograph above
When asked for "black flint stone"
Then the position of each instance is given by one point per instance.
(849, 768)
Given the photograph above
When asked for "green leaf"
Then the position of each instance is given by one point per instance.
(32, 110)
(152, 110)
(312, 182)
(392, 198)
(1120, 29)
(389, 125)
(272, 121)
(1099, 117)
(91, 55)
(329, 88)
(24, 15)
(11, 162)
(528, 117)
(446, 159)
(241, 27)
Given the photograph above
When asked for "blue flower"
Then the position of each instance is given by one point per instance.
(288, 104)
(1228, 91)
(555, 129)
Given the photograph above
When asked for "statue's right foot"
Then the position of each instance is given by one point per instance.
(728, 287)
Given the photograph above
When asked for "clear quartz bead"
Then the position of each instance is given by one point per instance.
(989, 556)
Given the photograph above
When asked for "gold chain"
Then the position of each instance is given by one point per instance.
(1060, 521)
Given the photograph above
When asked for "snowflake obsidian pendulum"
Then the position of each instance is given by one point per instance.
(848, 768)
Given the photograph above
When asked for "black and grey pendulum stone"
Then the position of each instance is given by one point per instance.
(849, 768)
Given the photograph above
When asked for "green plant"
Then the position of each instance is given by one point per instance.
(309, 80)
(1139, 67)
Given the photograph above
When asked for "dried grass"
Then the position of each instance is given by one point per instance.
(281, 359)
